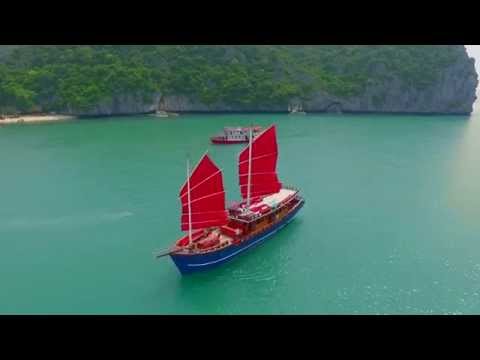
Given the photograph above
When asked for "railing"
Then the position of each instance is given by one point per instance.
(214, 248)
(293, 188)
(274, 209)
(258, 232)
(248, 237)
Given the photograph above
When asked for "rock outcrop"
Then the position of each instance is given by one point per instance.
(454, 92)
(422, 79)
(120, 105)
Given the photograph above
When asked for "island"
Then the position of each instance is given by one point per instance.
(105, 80)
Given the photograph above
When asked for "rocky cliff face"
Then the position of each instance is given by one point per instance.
(182, 103)
(87, 80)
(120, 105)
(454, 92)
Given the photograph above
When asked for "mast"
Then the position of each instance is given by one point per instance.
(189, 204)
(249, 167)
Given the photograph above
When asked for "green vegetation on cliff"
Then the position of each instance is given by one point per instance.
(56, 78)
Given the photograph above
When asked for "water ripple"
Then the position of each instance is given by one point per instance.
(27, 223)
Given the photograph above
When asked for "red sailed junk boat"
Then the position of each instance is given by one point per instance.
(236, 135)
(217, 234)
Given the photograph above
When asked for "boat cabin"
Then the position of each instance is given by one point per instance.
(239, 133)
(244, 222)
(235, 133)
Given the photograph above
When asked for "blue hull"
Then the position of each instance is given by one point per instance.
(192, 263)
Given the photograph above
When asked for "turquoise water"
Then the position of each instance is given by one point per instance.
(391, 221)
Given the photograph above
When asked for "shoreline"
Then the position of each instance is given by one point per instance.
(259, 112)
(29, 119)
(48, 118)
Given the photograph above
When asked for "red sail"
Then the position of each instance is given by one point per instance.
(263, 178)
(207, 197)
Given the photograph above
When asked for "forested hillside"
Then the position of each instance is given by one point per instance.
(78, 79)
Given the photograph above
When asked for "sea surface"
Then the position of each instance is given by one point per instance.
(391, 223)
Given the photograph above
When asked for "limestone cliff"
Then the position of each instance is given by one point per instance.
(453, 92)
(127, 104)
(104, 80)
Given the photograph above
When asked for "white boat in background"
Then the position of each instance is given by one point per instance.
(164, 114)
(296, 110)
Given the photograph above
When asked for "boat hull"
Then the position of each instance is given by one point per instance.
(224, 141)
(190, 263)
